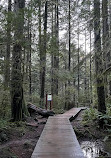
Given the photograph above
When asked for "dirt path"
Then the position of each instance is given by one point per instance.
(21, 140)
(16, 143)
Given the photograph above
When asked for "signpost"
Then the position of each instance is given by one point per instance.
(49, 99)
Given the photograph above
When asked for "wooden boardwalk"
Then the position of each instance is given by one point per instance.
(72, 113)
(58, 139)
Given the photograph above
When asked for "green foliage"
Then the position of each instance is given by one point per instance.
(24, 108)
(5, 107)
(58, 104)
(109, 110)
(6, 128)
(84, 98)
(3, 123)
(35, 99)
(90, 115)
(106, 118)
(7, 153)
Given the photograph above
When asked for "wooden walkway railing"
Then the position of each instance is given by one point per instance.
(58, 139)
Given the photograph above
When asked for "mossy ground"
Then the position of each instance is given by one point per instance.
(91, 131)
(17, 140)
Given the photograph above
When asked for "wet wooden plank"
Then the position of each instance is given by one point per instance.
(58, 139)
(71, 114)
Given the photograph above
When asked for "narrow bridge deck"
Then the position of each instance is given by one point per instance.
(58, 139)
(72, 113)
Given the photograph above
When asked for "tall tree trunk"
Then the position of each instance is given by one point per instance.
(105, 30)
(69, 67)
(43, 59)
(98, 58)
(7, 56)
(40, 45)
(69, 58)
(30, 63)
(85, 77)
(109, 54)
(78, 80)
(29, 54)
(17, 99)
(105, 39)
(66, 85)
(74, 84)
(52, 55)
(90, 69)
(56, 52)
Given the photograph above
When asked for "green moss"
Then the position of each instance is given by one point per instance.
(3, 123)
(107, 145)
(7, 153)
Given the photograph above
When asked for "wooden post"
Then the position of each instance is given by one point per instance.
(49, 99)
(51, 105)
(46, 102)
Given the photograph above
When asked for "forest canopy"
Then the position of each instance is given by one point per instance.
(54, 47)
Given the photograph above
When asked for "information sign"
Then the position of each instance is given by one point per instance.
(49, 97)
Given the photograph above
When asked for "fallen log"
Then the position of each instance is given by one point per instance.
(45, 113)
(32, 124)
(33, 109)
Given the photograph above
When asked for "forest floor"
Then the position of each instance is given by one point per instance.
(92, 137)
(19, 140)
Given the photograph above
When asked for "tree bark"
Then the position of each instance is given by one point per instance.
(105, 40)
(29, 53)
(78, 80)
(85, 78)
(109, 53)
(105, 30)
(52, 55)
(56, 50)
(17, 98)
(30, 64)
(98, 58)
(40, 40)
(90, 32)
(69, 36)
(16, 84)
(7, 56)
(43, 59)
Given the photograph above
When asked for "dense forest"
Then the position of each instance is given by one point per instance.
(54, 47)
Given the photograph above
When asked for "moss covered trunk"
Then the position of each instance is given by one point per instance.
(17, 99)
(98, 58)
(16, 84)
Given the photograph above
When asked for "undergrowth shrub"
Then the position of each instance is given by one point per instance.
(3, 123)
(58, 104)
(5, 105)
(36, 99)
(106, 118)
(90, 114)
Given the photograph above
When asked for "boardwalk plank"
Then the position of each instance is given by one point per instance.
(58, 139)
